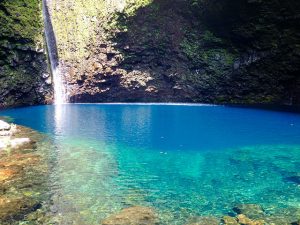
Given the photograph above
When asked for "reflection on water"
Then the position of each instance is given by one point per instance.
(183, 161)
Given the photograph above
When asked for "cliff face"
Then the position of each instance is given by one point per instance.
(24, 74)
(266, 36)
(216, 51)
(233, 51)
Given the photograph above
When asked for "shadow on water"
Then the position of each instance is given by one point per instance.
(270, 107)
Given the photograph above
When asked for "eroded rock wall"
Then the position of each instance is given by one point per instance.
(266, 36)
(24, 75)
(181, 50)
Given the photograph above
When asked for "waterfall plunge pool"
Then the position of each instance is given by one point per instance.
(181, 160)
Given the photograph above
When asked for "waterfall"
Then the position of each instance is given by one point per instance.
(60, 94)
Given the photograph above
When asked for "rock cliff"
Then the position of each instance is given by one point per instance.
(219, 51)
(214, 51)
(24, 74)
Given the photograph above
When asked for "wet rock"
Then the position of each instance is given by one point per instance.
(252, 211)
(228, 220)
(204, 221)
(244, 220)
(16, 207)
(136, 215)
(4, 126)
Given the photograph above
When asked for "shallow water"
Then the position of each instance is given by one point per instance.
(184, 161)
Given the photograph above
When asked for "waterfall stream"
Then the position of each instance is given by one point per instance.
(60, 93)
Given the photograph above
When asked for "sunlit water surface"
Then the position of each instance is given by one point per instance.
(184, 161)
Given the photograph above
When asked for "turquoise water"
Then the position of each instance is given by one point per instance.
(183, 160)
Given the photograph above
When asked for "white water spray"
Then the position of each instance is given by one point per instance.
(60, 94)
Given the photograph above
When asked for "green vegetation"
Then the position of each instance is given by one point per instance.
(207, 50)
(79, 24)
(21, 60)
(21, 19)
(133, 5)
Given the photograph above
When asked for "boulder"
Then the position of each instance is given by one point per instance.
(136, 215)
(252, 211)
(4, 126)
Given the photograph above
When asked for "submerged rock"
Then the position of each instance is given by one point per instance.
(228, 220)
(136, 215)
(207, 220)
(252, 211)
(242, 219)
(23, 177)
(7, 174)
(282, 216)
(16, 207)
(293, 179)
(279, 220)
(20, 160)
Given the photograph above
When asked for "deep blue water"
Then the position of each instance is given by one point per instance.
(165, 127)
(183, 160)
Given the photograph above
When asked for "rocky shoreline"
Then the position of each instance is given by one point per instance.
(23, 176)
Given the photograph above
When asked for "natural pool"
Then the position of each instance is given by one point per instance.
(182, 160)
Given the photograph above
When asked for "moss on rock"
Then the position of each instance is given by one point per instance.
(24, 76)
(218, 51)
